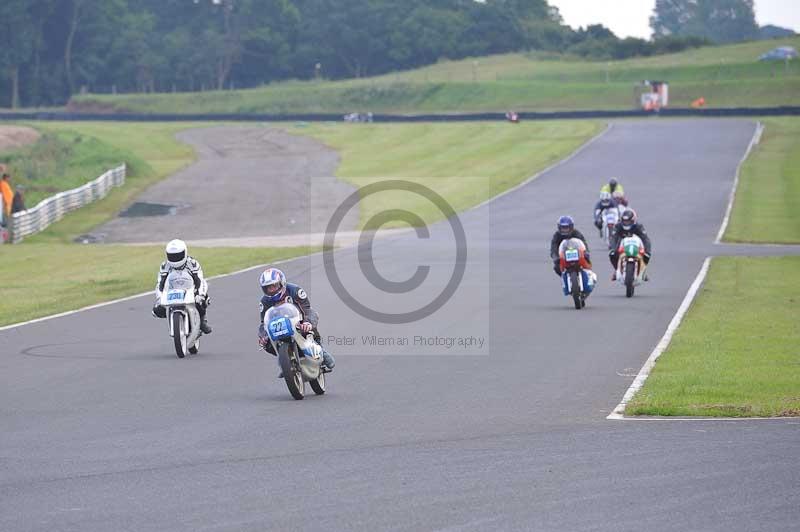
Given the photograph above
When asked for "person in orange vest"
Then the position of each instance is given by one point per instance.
(8, 195)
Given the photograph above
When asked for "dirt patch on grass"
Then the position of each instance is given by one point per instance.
(13, 137)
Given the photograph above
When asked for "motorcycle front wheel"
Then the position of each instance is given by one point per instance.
(630, 277)
(178, 336)
(291, 373)
(577, 298)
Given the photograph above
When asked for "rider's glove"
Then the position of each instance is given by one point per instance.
(199, 300)
(305, 327)
(646, 258)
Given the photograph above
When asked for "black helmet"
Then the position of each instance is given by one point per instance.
(628, 219)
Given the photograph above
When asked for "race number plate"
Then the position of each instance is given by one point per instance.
(279, 328)
(571, 255)
(176, 295)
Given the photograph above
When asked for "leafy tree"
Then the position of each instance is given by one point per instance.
(719, 21)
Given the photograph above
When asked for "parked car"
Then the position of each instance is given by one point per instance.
(780, 53)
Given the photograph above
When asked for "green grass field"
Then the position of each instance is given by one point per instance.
(736, 353)
(727, 76)
(464, 163)
(768, 196)
(45, 279)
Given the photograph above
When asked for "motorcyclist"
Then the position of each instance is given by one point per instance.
(178, 259)
(614, 188)
(566, 230)
(606, 202)
(629, 225)
(276, 291)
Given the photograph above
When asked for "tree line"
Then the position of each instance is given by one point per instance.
(52, 49)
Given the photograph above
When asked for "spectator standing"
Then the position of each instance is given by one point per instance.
(18, 203)
(8, 195)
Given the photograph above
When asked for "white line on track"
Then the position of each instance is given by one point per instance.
(753, 142)
(143, 294)
(638, 382)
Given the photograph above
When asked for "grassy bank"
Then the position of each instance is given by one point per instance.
(767, 199)
(736, 352)
(70, 276)
(150, 149)
(727, 76)
(465, 163)
(61, 160)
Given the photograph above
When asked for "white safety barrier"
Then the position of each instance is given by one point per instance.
(54, 208)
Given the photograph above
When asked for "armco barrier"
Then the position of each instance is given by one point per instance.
(54, 208)
(466, 117)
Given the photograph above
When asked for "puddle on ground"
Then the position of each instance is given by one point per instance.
(141, 209)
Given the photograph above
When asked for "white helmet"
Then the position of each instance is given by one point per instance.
(177, 253)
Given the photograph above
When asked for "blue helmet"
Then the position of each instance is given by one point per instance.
(273, 284)
(565, 225)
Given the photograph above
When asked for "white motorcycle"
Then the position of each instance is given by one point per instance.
(610, 219)
(183, 318)
(300, 357)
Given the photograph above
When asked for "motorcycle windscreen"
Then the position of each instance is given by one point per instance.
(279, 321)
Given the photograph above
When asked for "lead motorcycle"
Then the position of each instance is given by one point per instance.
(183, 318)
(300, 357)
(630, 264)
(577, 279)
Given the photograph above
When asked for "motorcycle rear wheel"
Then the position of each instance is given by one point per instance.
(318, 384)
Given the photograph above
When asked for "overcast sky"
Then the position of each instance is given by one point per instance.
(631, 18)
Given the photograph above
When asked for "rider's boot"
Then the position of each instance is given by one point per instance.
(204, 326)
(328, 361)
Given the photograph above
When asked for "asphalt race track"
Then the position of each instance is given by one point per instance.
(103, 428)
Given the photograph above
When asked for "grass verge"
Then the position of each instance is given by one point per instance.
(465, 163)
(71, 276)
(736, 353)
(768, 195)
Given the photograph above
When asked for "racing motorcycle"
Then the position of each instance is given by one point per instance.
(183, 318)
(577, 279)
(610, 219)
(300, 357)
(630, 265)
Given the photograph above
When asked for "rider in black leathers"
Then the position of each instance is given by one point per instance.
(628, 226)
(566, 230)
